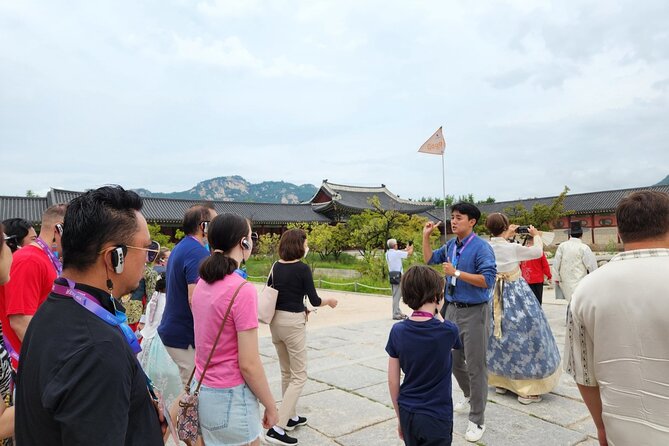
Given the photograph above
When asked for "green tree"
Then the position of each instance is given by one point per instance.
(157, 235)
(328, 240)
(31, 194)
(268, 245)
(541, 216)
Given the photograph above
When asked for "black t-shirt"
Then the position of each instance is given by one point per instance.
(79, 382)
(293, 281)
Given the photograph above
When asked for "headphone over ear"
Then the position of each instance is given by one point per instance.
(59, 228)
(205, 227)
(245, 244)
(118, 259)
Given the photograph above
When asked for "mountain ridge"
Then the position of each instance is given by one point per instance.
(236, 188)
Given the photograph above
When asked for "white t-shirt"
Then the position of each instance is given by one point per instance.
(394, 259)
(617, 339)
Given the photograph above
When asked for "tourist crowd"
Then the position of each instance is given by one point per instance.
(109, 339)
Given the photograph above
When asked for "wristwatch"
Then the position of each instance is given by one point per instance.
(457, 274)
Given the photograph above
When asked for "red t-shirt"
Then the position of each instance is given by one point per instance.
(30, 280)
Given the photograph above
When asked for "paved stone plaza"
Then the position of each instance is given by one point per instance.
(346, 398)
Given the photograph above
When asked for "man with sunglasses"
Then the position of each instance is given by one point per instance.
(79, 380)
(176, 327)
(34, 269)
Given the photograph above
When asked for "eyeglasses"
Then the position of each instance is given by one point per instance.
(151, 252)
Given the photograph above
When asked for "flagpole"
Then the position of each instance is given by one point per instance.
(443, 183)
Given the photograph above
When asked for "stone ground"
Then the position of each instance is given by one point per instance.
(346, 398)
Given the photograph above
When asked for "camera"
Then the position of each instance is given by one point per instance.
(523, 230)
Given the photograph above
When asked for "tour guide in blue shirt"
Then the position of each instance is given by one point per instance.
(469, 266)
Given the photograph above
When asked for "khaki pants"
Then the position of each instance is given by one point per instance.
(184, 359)
(289, 338)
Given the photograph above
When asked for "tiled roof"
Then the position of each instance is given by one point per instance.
(167, 210)
(356, 198)
(28, 208)
(586, 203)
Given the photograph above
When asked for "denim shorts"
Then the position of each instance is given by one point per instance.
(228, 417)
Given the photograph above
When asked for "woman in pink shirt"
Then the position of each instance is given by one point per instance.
(235, 380)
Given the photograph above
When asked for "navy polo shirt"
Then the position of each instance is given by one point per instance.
(424, 352)
(176, 326)
(476, 258)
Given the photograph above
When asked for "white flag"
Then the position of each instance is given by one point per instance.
(435, 145)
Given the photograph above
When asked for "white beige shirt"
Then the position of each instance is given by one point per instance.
(618, 339)
(573, 260)
(509, 255)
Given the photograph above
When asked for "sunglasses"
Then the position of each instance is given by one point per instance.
(151, 252)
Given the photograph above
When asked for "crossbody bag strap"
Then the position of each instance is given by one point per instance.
(213, 348)
(271, 275)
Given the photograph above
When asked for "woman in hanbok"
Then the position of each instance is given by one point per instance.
(522, 354)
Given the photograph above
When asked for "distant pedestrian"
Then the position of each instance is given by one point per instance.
(19, 233)
(394, 259)
(573, 261)
(420, 347)
(618, 326)
(534, 272)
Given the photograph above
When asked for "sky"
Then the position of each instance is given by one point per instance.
(161, 94)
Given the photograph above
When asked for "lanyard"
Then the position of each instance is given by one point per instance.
(54, 259)
(241, 273)
(93, 305)
(419, 313)
(456, 259)
(12, 353)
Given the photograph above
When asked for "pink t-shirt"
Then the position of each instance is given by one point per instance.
(210, 303)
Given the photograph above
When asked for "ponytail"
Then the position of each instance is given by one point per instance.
(216, 267)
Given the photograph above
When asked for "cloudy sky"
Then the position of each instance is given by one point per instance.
(161, 94)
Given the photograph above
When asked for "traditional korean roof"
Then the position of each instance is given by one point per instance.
(603, 202)
(28, 208)
(333, 198)
(168, 210)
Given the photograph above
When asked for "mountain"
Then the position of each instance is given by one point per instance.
(664, 182)
(236, 188)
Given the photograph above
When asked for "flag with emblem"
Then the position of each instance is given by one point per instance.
(435, 145)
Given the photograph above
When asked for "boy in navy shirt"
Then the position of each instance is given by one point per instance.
(421, 347)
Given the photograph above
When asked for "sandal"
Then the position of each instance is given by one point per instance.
(529, 399)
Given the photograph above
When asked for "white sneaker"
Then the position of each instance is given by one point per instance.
(462, 406)
(474, 432)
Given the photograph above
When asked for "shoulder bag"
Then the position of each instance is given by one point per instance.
(267, 300)
(188, 420)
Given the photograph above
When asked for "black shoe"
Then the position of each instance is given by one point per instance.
(274, 437)
(292, 424)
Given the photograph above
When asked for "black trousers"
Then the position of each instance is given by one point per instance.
(538, 290)
(423, 430)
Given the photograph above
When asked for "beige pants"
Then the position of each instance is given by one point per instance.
(184, 359)
(289, 338)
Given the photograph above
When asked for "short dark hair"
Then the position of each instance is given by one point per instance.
(19, 228)
(225, 232)
(194, 216)
(95, 218)
(497, 223)
(421, 285)
(161, 283)
(291, 245)
(643, 215)
(467, 209)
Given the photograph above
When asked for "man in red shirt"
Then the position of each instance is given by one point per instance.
(534, 271)
(33, 271)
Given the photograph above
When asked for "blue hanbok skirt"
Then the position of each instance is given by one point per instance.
(522, 353)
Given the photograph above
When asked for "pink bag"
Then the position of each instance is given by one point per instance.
(188, 420)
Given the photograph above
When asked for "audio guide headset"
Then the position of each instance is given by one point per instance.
(59, 228)
(245, 244)
(118, 258)
(205, 227)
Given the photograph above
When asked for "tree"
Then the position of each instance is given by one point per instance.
(328, 240)
(541, 216)
(31, 194)
(268, 245)
(157, 235)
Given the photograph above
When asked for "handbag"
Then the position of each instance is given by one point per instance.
(395, 277)
(267, 300)
(188, 420)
